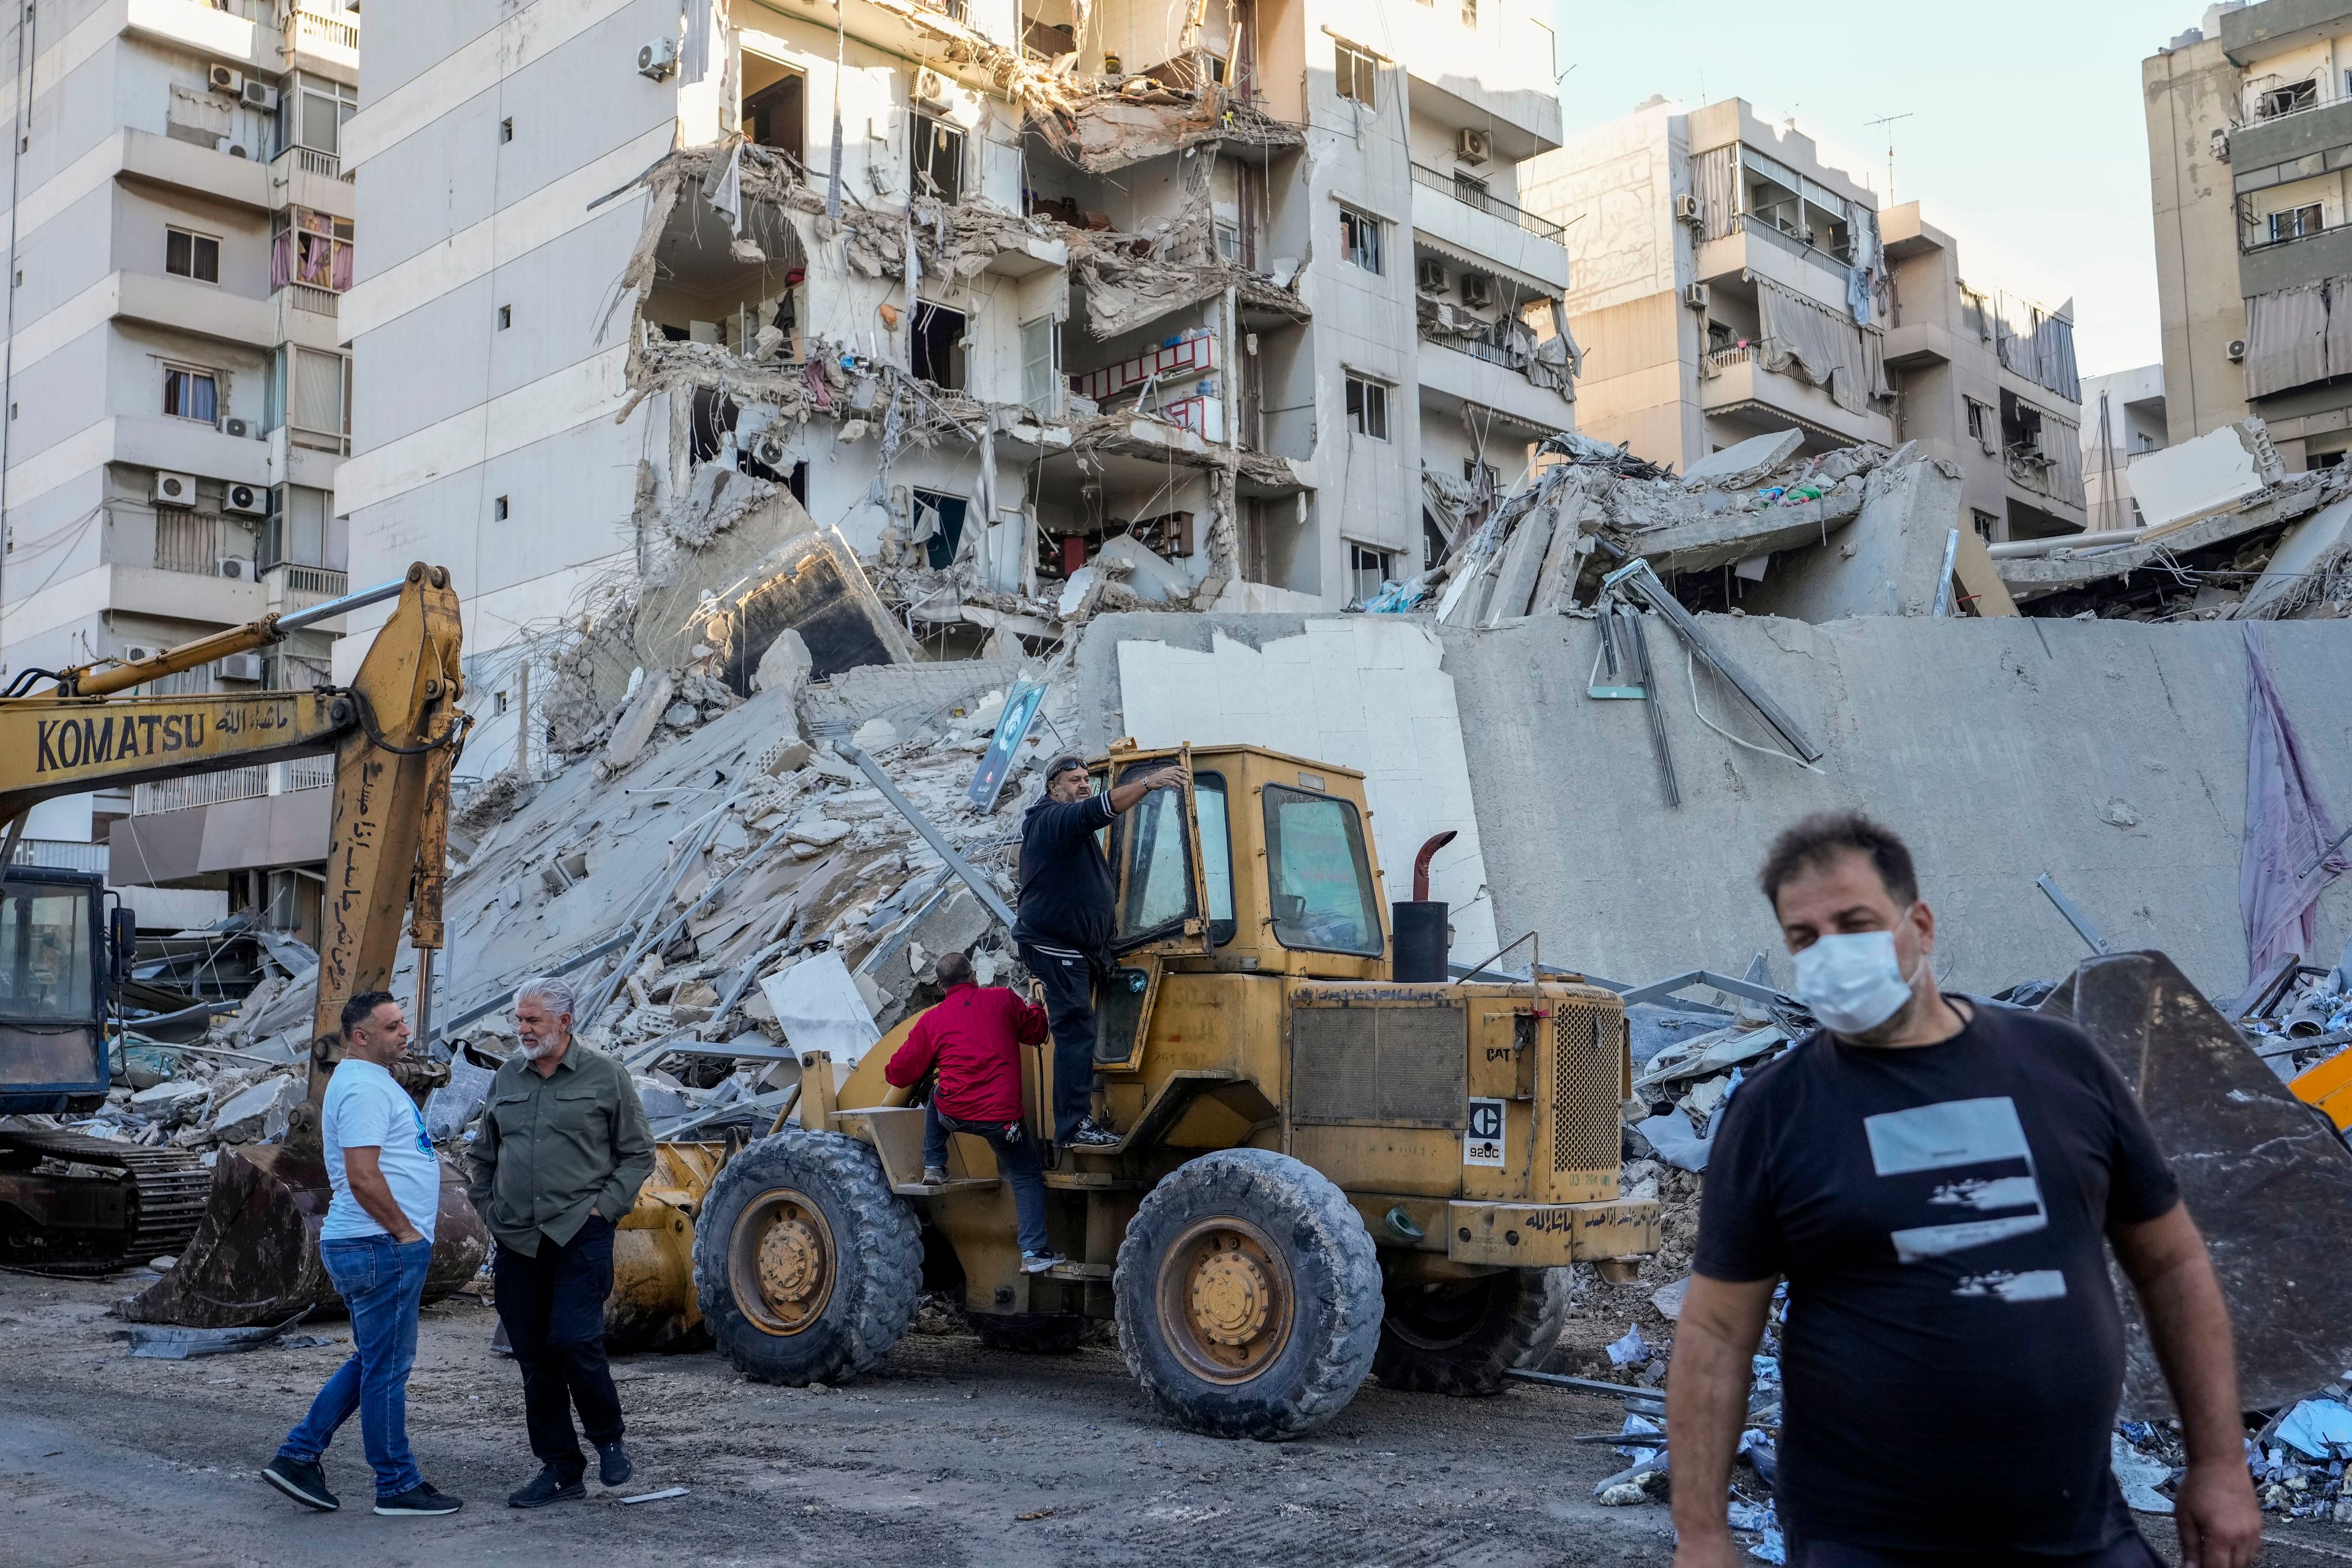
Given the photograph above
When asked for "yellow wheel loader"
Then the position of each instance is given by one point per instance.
(247, 1237)
(1327, 1168)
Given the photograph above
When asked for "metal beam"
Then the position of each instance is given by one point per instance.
(2074, 917)
(1636, 575)
(982, 888)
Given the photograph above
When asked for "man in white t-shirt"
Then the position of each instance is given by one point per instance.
(375, 1243)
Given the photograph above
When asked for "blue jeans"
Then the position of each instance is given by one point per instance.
(1019, 1162)
(382, 1282)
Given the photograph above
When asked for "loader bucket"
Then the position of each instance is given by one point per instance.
(2265, 1175)
(254, 1257)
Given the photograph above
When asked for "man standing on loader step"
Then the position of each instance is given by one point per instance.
(376, 1242)
(973, 1036)
(1932, 1177)
(1064, 927)
(557, 1163)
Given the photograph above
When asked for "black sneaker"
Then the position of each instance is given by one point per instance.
(305, 1482)
(1038, 1262)
(418, 1501)
(1093, 1134)
(617, 1467)
(547, 1487)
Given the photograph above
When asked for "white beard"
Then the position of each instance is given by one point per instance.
(530, 1051)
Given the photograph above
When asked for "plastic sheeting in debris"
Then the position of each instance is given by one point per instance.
(819, 1007)
(2319, 1429)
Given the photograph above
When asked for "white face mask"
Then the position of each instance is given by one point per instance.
(1852, 982)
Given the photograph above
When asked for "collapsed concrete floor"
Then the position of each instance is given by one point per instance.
(949, 1454)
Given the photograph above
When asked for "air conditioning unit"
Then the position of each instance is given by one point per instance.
(252, 500)
(135, 653)
(1686, 208)
(236, 427)
(2237, 350)
(260, 96)
(172, 489)
(769, 451)
(221, 78)
(1477, 290)
(1472, 146)
(1694, 296)
(236, 150)
(658, 60)
(235, 568)
(240, 667)
(930, 90)
(2221, 144)
(1429, 275)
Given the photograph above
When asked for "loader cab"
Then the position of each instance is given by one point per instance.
(1264, 864)
(56, 966)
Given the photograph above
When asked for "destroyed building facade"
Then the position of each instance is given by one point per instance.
(2249, 132)
(1188, 307)
(178, 400)
(1734, 283)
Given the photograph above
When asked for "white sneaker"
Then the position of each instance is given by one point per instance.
(1038, 1262)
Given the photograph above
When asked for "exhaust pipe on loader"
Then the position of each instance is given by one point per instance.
(1420, 923)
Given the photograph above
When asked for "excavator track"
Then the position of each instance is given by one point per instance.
(56, 1223)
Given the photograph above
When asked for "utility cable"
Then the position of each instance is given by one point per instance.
(1690, 668)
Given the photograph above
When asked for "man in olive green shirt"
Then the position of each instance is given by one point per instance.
(557, 1160)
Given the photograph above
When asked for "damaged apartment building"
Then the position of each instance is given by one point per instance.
(1029, 311)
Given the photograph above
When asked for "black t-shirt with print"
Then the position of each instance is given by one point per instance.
(1953, 1355)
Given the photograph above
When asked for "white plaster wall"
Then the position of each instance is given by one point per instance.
(1614, 187)
(1367, 692)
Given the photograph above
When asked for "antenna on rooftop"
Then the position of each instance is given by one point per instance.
(1889, 119)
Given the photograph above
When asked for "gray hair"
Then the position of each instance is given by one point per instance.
(556, 994)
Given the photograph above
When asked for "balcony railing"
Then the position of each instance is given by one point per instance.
(319, 440)
(64, 854)
(1738, 354)
(317, 300)
(320, 583)
(1470, 194)
(1771, 234)
(311, 160)
(1478, 348)
(334, 32)
(251, 782)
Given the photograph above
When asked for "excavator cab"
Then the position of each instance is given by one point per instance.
(58, 966)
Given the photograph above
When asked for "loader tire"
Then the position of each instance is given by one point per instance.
(1463, 1340)
(1561, 1288)
(1248, 1295)
(1029, 1333)
(806, 1267)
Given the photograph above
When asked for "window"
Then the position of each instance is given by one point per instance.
(2286, 99)
(1216, 854)
(1986, 524)
(1228, 243)
(1155, 859)
(1320, 882)
(499, 509)
(195, 256)
(938, 527)
(1041, 366)
(191, 394)
(506, 317)
(316, 404)
(1474, 472)
(1368, 408)
(775, 111)
(2296, 223)
(506, 130)
(1981, 426)
(1367, 569)
(311, 111)
(1360, 239)
(1356, 71)
(937, 347)
(45, 941)
(936, 159)
(312, 248)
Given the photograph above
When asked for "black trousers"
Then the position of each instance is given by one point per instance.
(554, 1307)
(1069, 985)
(2130, 1551)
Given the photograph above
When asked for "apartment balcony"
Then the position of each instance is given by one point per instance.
(310, 316)
(189, 830)
(1755, 245)
(1454, 371)
(1468, 81)
(1459, 218)
(189, 447)
(200, 310)
(1733, 384)
(306, 457)
(289, 587)
(321, 40)
(1914, 345)
(2266, 265)
(304, 177)
(183, 166)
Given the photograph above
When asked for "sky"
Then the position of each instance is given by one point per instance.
(2026, 140)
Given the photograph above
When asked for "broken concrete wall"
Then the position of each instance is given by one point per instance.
(1889, 564)
(1367, 692)
(2110, 754)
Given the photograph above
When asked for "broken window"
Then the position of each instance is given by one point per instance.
(935, 159)
(1228, 243)
(1360, 239)
(708, 424)
(1981, 425)
(1041, 366)
(1355, 73)
(312, 248)
(937, 349)
(191, 394)
(775, 107)
(1366, 570)
(195, 256)
(2295, 223)
(939, 526)
(1986, 522)
(1368, 408)
(2278, 100)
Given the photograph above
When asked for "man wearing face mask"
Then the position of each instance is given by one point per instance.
(1932, 1177)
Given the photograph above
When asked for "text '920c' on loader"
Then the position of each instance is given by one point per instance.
(246, 1232)
(1327, 1170)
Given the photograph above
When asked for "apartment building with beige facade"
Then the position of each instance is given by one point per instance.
(177, 397)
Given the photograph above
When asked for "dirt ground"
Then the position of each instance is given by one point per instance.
(949, 1454)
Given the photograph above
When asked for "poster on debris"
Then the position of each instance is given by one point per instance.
(1013, 727)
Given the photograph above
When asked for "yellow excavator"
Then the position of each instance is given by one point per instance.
(245, 1233)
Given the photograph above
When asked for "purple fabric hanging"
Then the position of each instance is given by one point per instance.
(2286, 825)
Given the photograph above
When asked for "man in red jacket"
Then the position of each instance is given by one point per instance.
(974, 1038)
